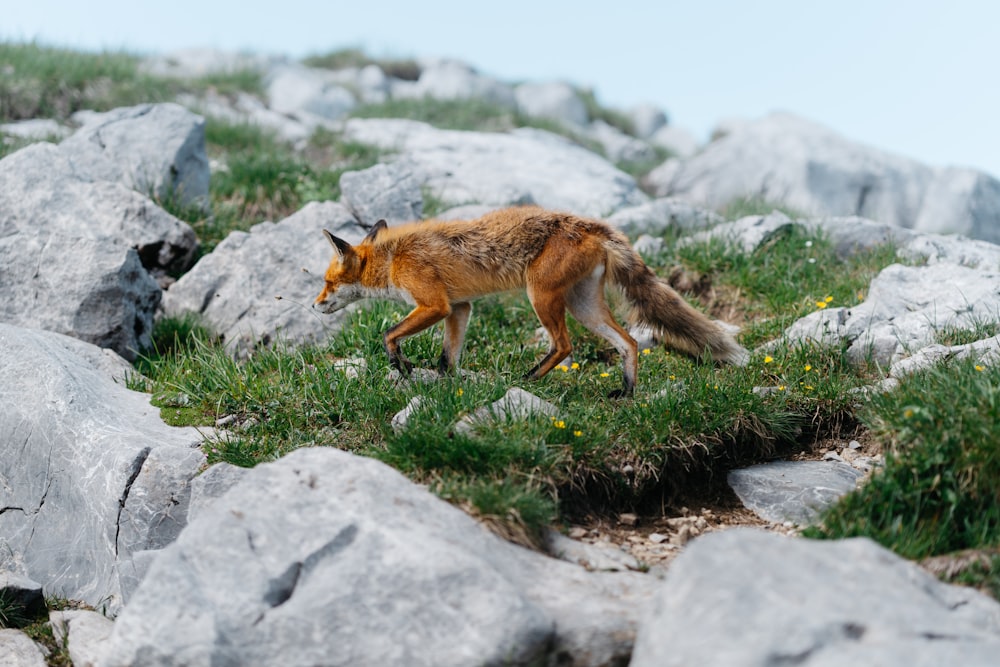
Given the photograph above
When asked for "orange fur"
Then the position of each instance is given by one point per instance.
(562, 260)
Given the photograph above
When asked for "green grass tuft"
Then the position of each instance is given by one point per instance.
(938, 491)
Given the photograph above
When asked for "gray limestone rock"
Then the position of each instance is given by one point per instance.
(524, 166)
(744, 597)
(385, 191)
(85, 634)
(811, 169)
(155, 149)
(660, 215)
(554, 100)
(90, 475)
(904, 308)
(325, 557)
(257, 287)
(516, 404)
(18, 650)
(795, 491)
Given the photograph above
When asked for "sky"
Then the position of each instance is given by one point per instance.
(918, 78)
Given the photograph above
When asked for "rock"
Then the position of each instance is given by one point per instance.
(25, 594)
(516, 404)
(678, 141)
(234, 289)
(307, 92)
(47, 191)
(648, 246)
(523, 166)
(18, 650)
(618, 146)
(796, 491)
(369, 83)
(385, 191)
(660, 215)
(401, 420)
(749, 597)
(811, 169)
(647, 120)
(94, 476)
(155, 149)
(245, 108)
(553, 100)
(85, 633)
(214, 483)
(323, 553)
(453, 80)
(103, 296)
(36, 129)
(904, 309)
(590, 556)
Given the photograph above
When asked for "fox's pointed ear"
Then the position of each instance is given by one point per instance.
(340, 245)
(373, 232)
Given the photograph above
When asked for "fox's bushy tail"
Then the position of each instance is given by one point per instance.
(656, 305)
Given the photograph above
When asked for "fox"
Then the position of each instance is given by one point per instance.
(563, 261)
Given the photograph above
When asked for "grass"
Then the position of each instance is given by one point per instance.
(938, 491)
(399, 68)
(688, 423)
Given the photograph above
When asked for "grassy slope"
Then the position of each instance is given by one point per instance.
(938, 490)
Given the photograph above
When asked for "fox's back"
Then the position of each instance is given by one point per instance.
(489, 254)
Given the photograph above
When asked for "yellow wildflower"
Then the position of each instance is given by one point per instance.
(768, 359)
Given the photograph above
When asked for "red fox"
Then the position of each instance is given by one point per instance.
(562, 260)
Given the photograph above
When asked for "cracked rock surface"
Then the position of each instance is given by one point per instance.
(324, 557)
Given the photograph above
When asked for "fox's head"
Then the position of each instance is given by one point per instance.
(342, 282)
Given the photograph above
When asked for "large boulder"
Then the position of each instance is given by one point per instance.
(91, 475)
(51, 191)
(94, 290)
(257, 287)
(812, 169)
(553, 100)
(748, 597)
(155, 149)
(325, 557)
(523, 166)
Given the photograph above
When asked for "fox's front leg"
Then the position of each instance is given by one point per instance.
(419, 319)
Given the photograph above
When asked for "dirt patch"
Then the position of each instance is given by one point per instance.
(655, 538)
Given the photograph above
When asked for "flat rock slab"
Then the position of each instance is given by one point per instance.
(745, 597)
(796, 491)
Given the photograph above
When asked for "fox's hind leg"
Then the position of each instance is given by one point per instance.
(550, 307)
(454, 335)
(586, 301)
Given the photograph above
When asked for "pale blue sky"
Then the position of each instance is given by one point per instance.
(916, 77)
